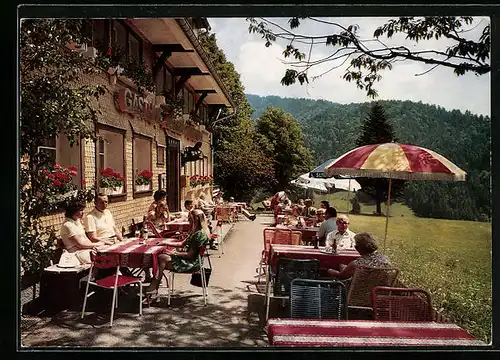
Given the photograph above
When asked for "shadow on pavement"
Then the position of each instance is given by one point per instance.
(228, 320)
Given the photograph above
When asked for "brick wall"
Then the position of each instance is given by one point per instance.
(129, 208)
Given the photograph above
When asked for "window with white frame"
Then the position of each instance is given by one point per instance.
(62, 153)
(142, 158)
(110, 154)
(160, 154)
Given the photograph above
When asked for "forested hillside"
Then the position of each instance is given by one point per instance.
(331, 129)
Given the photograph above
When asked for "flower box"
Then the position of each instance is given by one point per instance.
(139, 188)
(113, 191)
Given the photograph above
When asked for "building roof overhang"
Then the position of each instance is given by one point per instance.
(174, 41)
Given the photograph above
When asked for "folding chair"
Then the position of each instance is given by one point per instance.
(318, 299)
(109, 282)
(274, 236)
(286, 271)
(364, 280)
(401, 304)
(201, 255)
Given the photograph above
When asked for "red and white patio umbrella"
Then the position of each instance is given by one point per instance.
(395, 161)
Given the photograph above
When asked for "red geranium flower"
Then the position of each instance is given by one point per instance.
(51, 176)
(57, 183)
(57, 166)
(46, 172)
(108, 51)
(83, 182)
(72, 172)
(72, 168)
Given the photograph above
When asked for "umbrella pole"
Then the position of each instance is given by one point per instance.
(348, 195)
(387, 212)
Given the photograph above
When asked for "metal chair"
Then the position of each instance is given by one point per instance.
(286, 271)
(364, 280)
(109, 282)
(401, 304)
(275, 236)
(318, 299)
(224, 213)
(201, 255)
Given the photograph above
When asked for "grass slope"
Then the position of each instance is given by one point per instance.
(449, 258)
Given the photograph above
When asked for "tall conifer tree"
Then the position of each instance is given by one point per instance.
(376, 129)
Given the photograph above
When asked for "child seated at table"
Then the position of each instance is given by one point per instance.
(158, 212)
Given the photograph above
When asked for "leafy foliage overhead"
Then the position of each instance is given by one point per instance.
(366, 61)
(240, 165)
(55, 101)
(282, 140)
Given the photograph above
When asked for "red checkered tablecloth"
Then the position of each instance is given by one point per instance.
(178, 226)
(135, 255)
(327, 261)
(332, 333)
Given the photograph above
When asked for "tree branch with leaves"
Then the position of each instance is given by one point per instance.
(365, 62)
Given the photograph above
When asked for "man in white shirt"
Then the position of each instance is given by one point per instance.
(99, 223)
(328, 225)
(342, 237)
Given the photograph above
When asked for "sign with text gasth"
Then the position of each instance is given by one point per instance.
(132, 103)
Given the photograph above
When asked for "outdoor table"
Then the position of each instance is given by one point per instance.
(331, 333)
(177, 225)
(327, 261)
(136, 255)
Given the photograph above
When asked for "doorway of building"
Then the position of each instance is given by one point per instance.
(173, 174)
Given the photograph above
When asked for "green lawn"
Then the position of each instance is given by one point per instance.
(450, 259)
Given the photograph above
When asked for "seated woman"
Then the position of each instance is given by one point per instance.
(186, 260)
(300, 207)
(158, 212)
(367, 247)
(73, 234)
(309, 210)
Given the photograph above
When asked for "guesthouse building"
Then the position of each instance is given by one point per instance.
(147, 132)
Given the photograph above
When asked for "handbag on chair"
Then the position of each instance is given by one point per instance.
(196, 277)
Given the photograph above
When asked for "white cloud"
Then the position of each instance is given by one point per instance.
(261, 69)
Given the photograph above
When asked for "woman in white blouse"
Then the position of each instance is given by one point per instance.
(73, 234)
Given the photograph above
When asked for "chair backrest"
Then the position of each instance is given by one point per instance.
(366, 278)
(150, 226)
(282, 236)
(223, 210)
(290, 269)
(296, 238)
(104, 261)
(401, 304)
(318, 299)
(268, 238)
(278, 236)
